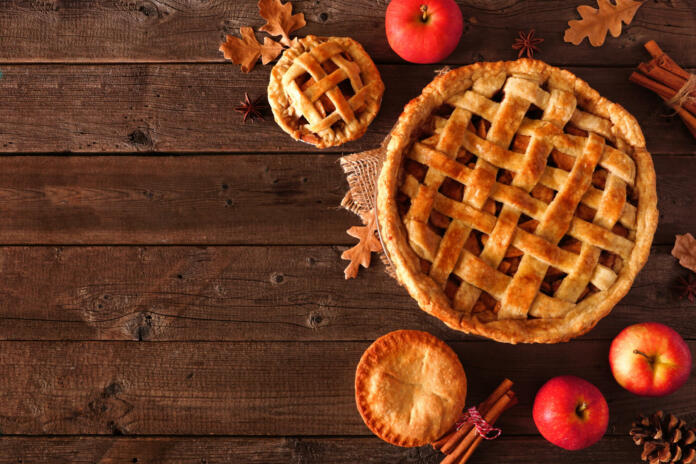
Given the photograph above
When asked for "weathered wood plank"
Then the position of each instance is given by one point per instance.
(158, 30)
(302, 388)
(203, 450)
(189, 108)
(248, 293)
(224, 200)
(190, 199)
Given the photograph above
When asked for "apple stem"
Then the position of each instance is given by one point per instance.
(424, 10)
(649, 358)
(580, 410)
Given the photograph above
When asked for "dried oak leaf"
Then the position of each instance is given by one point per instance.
(596, 22)
(280, 20)
(247, 50)
(362, 252)
(685, 251)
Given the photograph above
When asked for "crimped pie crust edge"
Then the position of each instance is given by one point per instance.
(427, 293)
(373, 357)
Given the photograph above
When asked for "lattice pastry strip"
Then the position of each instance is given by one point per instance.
(615, 161)
(532, 244)
(449, 142)
(476, 194)
(532, 207)
(607, 215)
(509, 196)
(512, 110)
(536, 155)
(311, 63)
(524, 287)
(552, 177)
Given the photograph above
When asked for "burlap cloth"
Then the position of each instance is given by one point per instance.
(362, 170)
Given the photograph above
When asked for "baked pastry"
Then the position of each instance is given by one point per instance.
(515, 202)
(410, 388)
(325, 90)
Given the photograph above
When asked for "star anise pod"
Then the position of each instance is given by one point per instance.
(687, 287)
(250, 109)
(527, 44)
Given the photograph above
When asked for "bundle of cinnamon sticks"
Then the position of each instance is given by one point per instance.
(666, 78)
(460, 444)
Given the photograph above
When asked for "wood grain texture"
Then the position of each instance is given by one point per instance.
(185, 108)
(180, 30)
(224, 450)
(249, 293)
(255, 388)
(191, 200)
(223, 200)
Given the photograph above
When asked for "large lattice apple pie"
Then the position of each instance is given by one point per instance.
(515, 202)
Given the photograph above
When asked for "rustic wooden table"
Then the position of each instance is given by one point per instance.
(171, 288)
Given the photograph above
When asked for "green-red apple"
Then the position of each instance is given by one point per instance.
(650, 359)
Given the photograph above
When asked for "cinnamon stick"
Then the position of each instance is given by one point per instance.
(448, 442)
(660, 89)
(491, 416)
(666, 78)
(653, 70)
(664, 61)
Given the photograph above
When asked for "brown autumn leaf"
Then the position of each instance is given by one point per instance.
(362, 252)
(247, 50)
(685, 251)
(596, 22)
(280, 20)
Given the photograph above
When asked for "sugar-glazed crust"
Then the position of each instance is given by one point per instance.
(410, 388)
(603, 201)
(305, 96)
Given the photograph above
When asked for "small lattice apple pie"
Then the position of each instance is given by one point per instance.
(325, 91)
(515, 202)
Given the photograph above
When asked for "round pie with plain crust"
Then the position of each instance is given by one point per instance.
(515, 202)
(325, 90)
(410, 388)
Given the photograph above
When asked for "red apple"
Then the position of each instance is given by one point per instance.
(650, 359)
(423, 31)
(570, 412)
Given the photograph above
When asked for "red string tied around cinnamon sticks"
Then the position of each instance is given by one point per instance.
(476, 424)
(484, 429)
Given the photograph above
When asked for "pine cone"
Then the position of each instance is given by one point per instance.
(664, 439)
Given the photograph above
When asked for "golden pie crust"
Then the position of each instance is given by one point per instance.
(410, 388)
(325, 90)
(515, 202)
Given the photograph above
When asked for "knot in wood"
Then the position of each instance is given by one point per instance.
(139, 137)
(315, 320)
